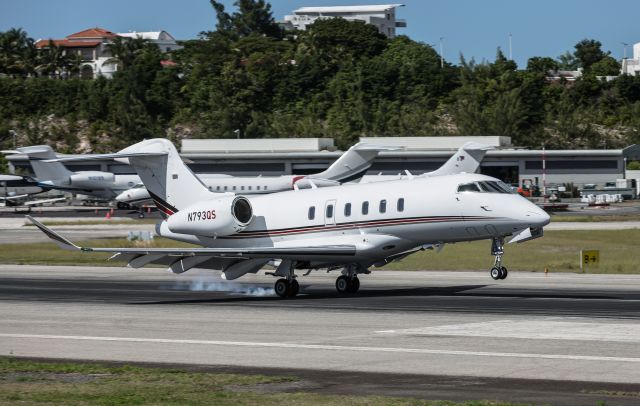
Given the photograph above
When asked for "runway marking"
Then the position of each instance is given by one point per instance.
(533, 329)
(325, 347)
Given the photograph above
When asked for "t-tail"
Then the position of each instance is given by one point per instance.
(466, 160)
(170, 183)
(45, 171)
(353, 164)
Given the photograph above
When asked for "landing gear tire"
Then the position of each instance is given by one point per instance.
(503, 272)
(294, 288)
(342, 284)
(281, 287)
(496, 273)
(354, 285)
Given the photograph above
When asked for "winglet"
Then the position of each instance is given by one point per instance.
(60, 240)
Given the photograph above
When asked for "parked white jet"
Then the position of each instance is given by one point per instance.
(128, 190)
(351, 165)
(347, 227)
(54, 175)
(466, 160)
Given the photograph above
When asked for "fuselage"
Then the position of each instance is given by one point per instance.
(382, 218)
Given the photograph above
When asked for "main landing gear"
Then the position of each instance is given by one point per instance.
(497, 249)
(348, 282)
(287, 286)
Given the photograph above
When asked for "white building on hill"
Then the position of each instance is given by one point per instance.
(162, 39)
(632, 66)
(382, 16)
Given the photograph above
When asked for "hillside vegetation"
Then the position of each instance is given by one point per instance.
(338, 79)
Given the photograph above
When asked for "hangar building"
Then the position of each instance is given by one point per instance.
(272, 156)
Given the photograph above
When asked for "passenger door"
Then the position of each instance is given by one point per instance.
(330, 213)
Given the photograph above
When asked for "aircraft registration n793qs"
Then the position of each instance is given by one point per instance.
(349, 228)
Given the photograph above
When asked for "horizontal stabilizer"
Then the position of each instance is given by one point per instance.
(116, 155)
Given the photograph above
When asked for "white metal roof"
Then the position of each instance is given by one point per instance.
(437, 143)
(266, 145)
(376, 8)
(148, 35)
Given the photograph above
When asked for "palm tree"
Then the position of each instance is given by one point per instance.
(126, 49)
(53, 61)
(17, 52)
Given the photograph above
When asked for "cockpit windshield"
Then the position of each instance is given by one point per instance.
(485, 187)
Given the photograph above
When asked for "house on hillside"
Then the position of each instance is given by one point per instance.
(382, 16)
(92, 45)
(632, 66)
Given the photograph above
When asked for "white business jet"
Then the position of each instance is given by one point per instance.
(349, 227)
(128, 190)
(54, 175)
(351, 165)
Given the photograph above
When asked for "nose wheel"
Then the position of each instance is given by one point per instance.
(498, 271)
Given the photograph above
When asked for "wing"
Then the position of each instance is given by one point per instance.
(186, 258)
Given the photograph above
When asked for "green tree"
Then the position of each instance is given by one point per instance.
(607, 66)
(542, 64)
(588, 52)
(253, 17)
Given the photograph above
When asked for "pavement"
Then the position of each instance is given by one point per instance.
(559, 339)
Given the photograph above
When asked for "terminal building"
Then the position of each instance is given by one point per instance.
(273, 156)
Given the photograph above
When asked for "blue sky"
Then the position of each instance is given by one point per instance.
(472, 27)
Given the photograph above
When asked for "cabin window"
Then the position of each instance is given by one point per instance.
(383, 206)
(312, 212)
(486, 187)
(210, 188)
(329, 211)
(218, 188)
(468, 187)
(265, 188)
(365, 208)
(258, 187)
(401, 204)
(249, 187)
(347, 210)
(225, 188)
(234, 188)
(241, 187)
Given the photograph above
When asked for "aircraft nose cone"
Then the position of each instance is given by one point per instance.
(538, 217)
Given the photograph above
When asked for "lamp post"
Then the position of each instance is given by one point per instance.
(13, 134)
(441, 52)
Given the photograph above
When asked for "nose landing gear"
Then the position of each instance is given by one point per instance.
(497, 249)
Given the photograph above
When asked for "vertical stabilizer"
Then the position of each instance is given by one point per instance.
(169, 181)
(466, 160)
(353, 164)
(45, 171)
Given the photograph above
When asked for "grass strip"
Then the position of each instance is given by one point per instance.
(29, 382)
(558, 251)
(581, 218)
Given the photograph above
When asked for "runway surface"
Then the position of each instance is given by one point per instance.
(566, 338)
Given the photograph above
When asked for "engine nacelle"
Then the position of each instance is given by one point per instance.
(92, 179)
(218, 217)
